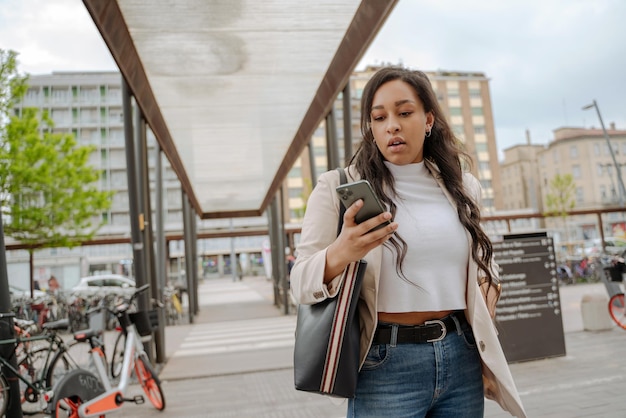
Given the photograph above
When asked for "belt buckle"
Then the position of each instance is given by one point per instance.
(444, 330)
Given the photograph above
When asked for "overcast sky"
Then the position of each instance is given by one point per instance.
(545, 58)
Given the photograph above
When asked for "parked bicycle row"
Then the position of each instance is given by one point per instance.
(52, 369)
(73, 305)
(589, 269)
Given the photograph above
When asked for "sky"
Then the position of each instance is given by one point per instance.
(545, 59)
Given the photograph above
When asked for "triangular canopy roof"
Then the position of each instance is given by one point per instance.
(234, 89)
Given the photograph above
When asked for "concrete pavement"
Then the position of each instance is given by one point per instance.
(236, 361)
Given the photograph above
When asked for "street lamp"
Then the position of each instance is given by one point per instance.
(622, 190)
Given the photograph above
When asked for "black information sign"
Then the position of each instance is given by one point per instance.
(529, 310)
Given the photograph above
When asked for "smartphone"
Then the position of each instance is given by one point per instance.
(361, 189)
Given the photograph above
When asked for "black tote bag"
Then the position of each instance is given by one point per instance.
(327, 347)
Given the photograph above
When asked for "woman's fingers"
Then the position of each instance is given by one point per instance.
(361, 238)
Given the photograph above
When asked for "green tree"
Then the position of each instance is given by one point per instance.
(49, 195)
(561, 198)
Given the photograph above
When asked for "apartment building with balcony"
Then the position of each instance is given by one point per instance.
(89, 106)
(585, 154)
(521, 183)
(528, 169)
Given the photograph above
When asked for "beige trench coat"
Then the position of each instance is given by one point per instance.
(319, 230)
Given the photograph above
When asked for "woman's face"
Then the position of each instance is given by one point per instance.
(399, 123)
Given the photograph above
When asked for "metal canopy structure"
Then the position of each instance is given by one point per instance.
(234, 89)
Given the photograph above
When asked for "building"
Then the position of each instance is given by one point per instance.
(521, 183)
(89, 105)
(585, 154)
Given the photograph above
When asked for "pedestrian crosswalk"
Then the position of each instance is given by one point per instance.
(238, 336)
(221, 292)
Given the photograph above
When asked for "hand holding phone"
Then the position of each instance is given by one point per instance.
(361, 189)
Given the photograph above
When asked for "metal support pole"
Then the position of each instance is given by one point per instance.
(312, 162)
(161, 255)
(194, 259)
(347, 124)
(233, 254)
(278, 250)
(188, 257)
(14, 408)
(279, 265)
(622, 189)
(136, 218)
(143, 188)
(284, 280)
(332, 148)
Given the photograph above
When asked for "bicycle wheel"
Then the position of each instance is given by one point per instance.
(118, 355)
(77, 387)
(60, 365)
(80, 356)
(33, 369)
(4, 395)
(150, 383)
(617, 311)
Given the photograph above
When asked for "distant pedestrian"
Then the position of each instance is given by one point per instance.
(53, 285)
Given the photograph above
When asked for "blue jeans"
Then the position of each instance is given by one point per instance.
(442, 379)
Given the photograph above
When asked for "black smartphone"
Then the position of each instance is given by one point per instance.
(361, 189)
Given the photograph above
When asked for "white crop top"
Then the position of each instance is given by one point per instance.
(438, 248)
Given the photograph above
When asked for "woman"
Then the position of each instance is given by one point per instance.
(429, 347)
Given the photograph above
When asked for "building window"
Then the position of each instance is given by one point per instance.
(481, 147)
(479, 129)
(457, 129)
(453, 93)
(455, 111)
(295, 192)
(477, 111)
(555, 156)
(580, 195)
(474, 93)
(576, 171)
(596, 149)
(295, 172)
(573, 151)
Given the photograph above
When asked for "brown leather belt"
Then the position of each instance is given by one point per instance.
(430, 331)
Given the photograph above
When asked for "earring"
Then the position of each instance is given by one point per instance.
(428, 132)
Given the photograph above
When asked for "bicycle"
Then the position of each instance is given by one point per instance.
(39, 367)
(612, 279)
(82, 394)
(617, 311)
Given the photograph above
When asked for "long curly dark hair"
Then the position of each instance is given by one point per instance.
(442, 148)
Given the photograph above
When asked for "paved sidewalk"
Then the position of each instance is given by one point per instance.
(236, 361)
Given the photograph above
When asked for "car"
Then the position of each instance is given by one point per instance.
(18, 292)
(104, 281)
(614, 245)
